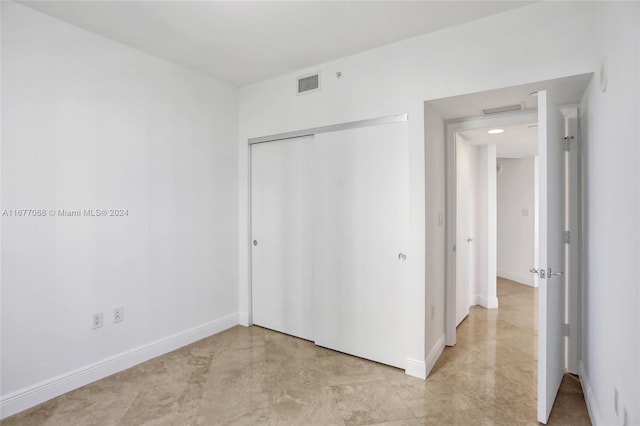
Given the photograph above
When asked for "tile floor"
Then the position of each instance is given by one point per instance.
(247, 376)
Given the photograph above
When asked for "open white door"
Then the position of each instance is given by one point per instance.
(551, 293)
(465, 168)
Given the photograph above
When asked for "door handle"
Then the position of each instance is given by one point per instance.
(255, 242)
(402, 257)
(469, 239)
(539, 272)
(557, 274)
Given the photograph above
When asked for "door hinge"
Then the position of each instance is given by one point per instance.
(567, 237)
(567, 330)
(567, 143)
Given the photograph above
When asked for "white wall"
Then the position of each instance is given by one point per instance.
(516, 193)
(88, 123)
(611, 315)
(541, 44)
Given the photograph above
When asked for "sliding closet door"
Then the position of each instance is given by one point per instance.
(360, 234)
(282, 246)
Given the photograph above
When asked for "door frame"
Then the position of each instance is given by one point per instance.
(574, 216)
(574, 254)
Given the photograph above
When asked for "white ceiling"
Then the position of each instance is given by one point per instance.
(517, 141)
(241, 42)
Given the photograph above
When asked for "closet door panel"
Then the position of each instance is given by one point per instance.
(360, 236)
(281, 228)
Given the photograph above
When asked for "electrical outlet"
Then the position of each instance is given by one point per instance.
(96, 320)
(118, 314)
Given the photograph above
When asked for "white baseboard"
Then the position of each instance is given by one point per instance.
(416, 368)
(36, 394)
(434, 354)
(589, 397)
(519, 278)
(243, 319)
(487, 302)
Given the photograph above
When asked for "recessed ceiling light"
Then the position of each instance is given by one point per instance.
(495, 131)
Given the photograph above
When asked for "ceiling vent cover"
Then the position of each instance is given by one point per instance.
(498, 110)
(309, 83)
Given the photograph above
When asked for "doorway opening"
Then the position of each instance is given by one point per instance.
(480, 112)
(495, 207)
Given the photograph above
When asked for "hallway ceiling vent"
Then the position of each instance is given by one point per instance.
(309, 83)
(501, 109)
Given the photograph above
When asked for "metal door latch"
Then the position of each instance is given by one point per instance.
(557, 274)
(539, 272)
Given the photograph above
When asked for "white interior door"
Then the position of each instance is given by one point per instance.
(282, 231)
(464, 231)
(551, 256)
(361, 234)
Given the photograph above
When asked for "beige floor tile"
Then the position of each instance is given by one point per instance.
(525, 343)
(252, 376)
(288, 347)
(570, 384)
(406, 422)
(304, 406)
(36, 416)
(469, 417)
(524, 375)
(243, 376)
(100, 404)
(233, 408)
(161, 404)
(394, 374)
(497, 353)
(522, 412)
(341, 369)
(294, 374)
(370, 403)
(428, 399)
(569, 407)
(488, 387)
(239, 337)
(240, 354)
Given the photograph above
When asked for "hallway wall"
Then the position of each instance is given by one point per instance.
(516, 214)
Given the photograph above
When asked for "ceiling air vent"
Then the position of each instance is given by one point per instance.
(498, 110)
(309, 83)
